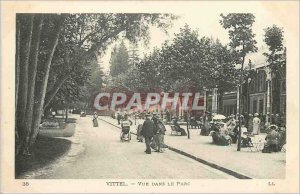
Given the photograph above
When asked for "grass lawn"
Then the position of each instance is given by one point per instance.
(47, 149)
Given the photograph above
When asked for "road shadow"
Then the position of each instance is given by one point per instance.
(46, 151)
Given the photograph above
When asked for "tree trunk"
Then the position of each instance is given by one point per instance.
(40, 97)
(240, 102)
(25, 45)
(67, 114)
(50, 95)
(32, 74)
(17, 74)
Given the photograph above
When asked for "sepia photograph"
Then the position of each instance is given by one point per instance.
(140, 100)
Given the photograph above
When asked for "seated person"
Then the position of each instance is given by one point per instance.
(272, 140)
(221, 137)
(245, 139)
(214, 127)
(178, 128)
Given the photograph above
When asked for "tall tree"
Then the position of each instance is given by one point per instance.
(55, 51)
(222, 70)
(277, 52)
(276, 58)
(32, 74)
(242, 40)
(26, 27)
(31, 95)
(119, 60)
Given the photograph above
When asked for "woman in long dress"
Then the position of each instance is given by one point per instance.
(256, 124)
(95, 120)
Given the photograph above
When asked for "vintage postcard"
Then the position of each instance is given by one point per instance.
(149, 96)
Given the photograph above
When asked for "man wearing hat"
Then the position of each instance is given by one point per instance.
(148, 129)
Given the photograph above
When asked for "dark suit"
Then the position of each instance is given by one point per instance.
(148, 129)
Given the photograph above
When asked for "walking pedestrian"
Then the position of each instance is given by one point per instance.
(119, 117)
(95, 119)
(161, 136)
(256, 124)
(155, 142)
(168, 116)
(139, 123)
(148, 132)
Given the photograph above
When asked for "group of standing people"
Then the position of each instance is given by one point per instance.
(253, 124)
(153, 130)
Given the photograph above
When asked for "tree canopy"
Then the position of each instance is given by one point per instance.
(181, 64)
(119, 60)
(55, 54)
(276, 56)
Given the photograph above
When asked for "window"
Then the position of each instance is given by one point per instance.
(254, 106)
(261, 106)
(262, 81)
(252, 86)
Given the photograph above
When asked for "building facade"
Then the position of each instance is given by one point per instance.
(255, 95)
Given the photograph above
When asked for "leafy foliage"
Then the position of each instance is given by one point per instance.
(239, 27)
(184, 63)
(277, 52)
(119, 60)
(86, 36)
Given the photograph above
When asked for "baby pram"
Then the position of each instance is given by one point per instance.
(125, 133)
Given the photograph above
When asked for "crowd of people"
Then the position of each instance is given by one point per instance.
(224, 132)
(149, 127)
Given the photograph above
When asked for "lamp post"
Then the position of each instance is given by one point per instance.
(268, 72)
(248, 95)
(239, 96)
(205, 107)
(237, 100)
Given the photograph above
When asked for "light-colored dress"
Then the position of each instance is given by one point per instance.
(256, 126)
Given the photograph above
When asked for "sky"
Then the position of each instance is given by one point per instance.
(207, 24)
